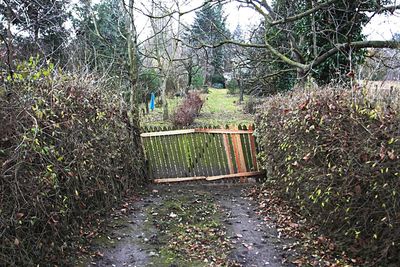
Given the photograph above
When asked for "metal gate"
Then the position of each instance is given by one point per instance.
(200, 154)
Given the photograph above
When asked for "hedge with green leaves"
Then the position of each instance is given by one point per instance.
(335, 156)
(67, 154)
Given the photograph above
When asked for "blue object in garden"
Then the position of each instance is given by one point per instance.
(152, 101)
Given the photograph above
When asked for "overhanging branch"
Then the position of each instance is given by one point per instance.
(355, 46)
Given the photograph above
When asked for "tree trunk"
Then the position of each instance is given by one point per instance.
(164, 99)
(190, 79)
(241, 91)
(9, 43)
(147, 99)
(134, 113)
(301, 77)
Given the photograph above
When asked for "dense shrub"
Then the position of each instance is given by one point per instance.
(66, 155)
(188, 110)
(232, 87)
(335, 156)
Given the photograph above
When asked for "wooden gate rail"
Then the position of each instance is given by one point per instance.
(200, 130)
(200, 154)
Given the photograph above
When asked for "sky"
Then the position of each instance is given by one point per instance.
(383, 27)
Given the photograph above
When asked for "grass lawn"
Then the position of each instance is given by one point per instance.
(219, 109)
(155, 117)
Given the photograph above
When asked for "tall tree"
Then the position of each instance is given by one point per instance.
(101, 42)
(323, 38)
(209, 26)
(320, 39)
(34, 27)
(164, 46)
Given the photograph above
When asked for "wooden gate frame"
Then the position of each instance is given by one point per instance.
(237, 148)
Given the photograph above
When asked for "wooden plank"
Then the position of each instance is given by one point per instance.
(149, 157)
(208, 170)
(203, 130)
(253, 149)
(176, 180)
(238, 150)
(228, 153)
(163, 154)
(221, 155)
(183, 149)
(209, 178)
(191, 154)
(241, 156)
(164, 133)
(236, 153)
(235, 175)
(246, 149)
(184, 165)
(214, 151)
(223, 131)
(172, 155)
(158, 156)
(221, 147)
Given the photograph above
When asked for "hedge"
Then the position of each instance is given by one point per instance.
(334, 155)
(67, 154)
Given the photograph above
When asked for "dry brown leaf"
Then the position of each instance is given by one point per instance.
(391, 155)
(307, 157)
(19, 215)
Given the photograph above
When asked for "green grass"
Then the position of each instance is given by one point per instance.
(219, 108)
(155, 118)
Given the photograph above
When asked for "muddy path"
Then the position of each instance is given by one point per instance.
(189, 225)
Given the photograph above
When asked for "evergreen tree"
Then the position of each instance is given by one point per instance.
(209, 27)
(101, 34)
(36, 27)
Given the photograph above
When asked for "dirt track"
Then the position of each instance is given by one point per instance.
(149, 232)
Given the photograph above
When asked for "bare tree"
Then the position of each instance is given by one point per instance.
(334, 27)
(165, 48)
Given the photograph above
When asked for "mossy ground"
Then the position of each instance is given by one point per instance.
(189, 232)
(220, 108)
